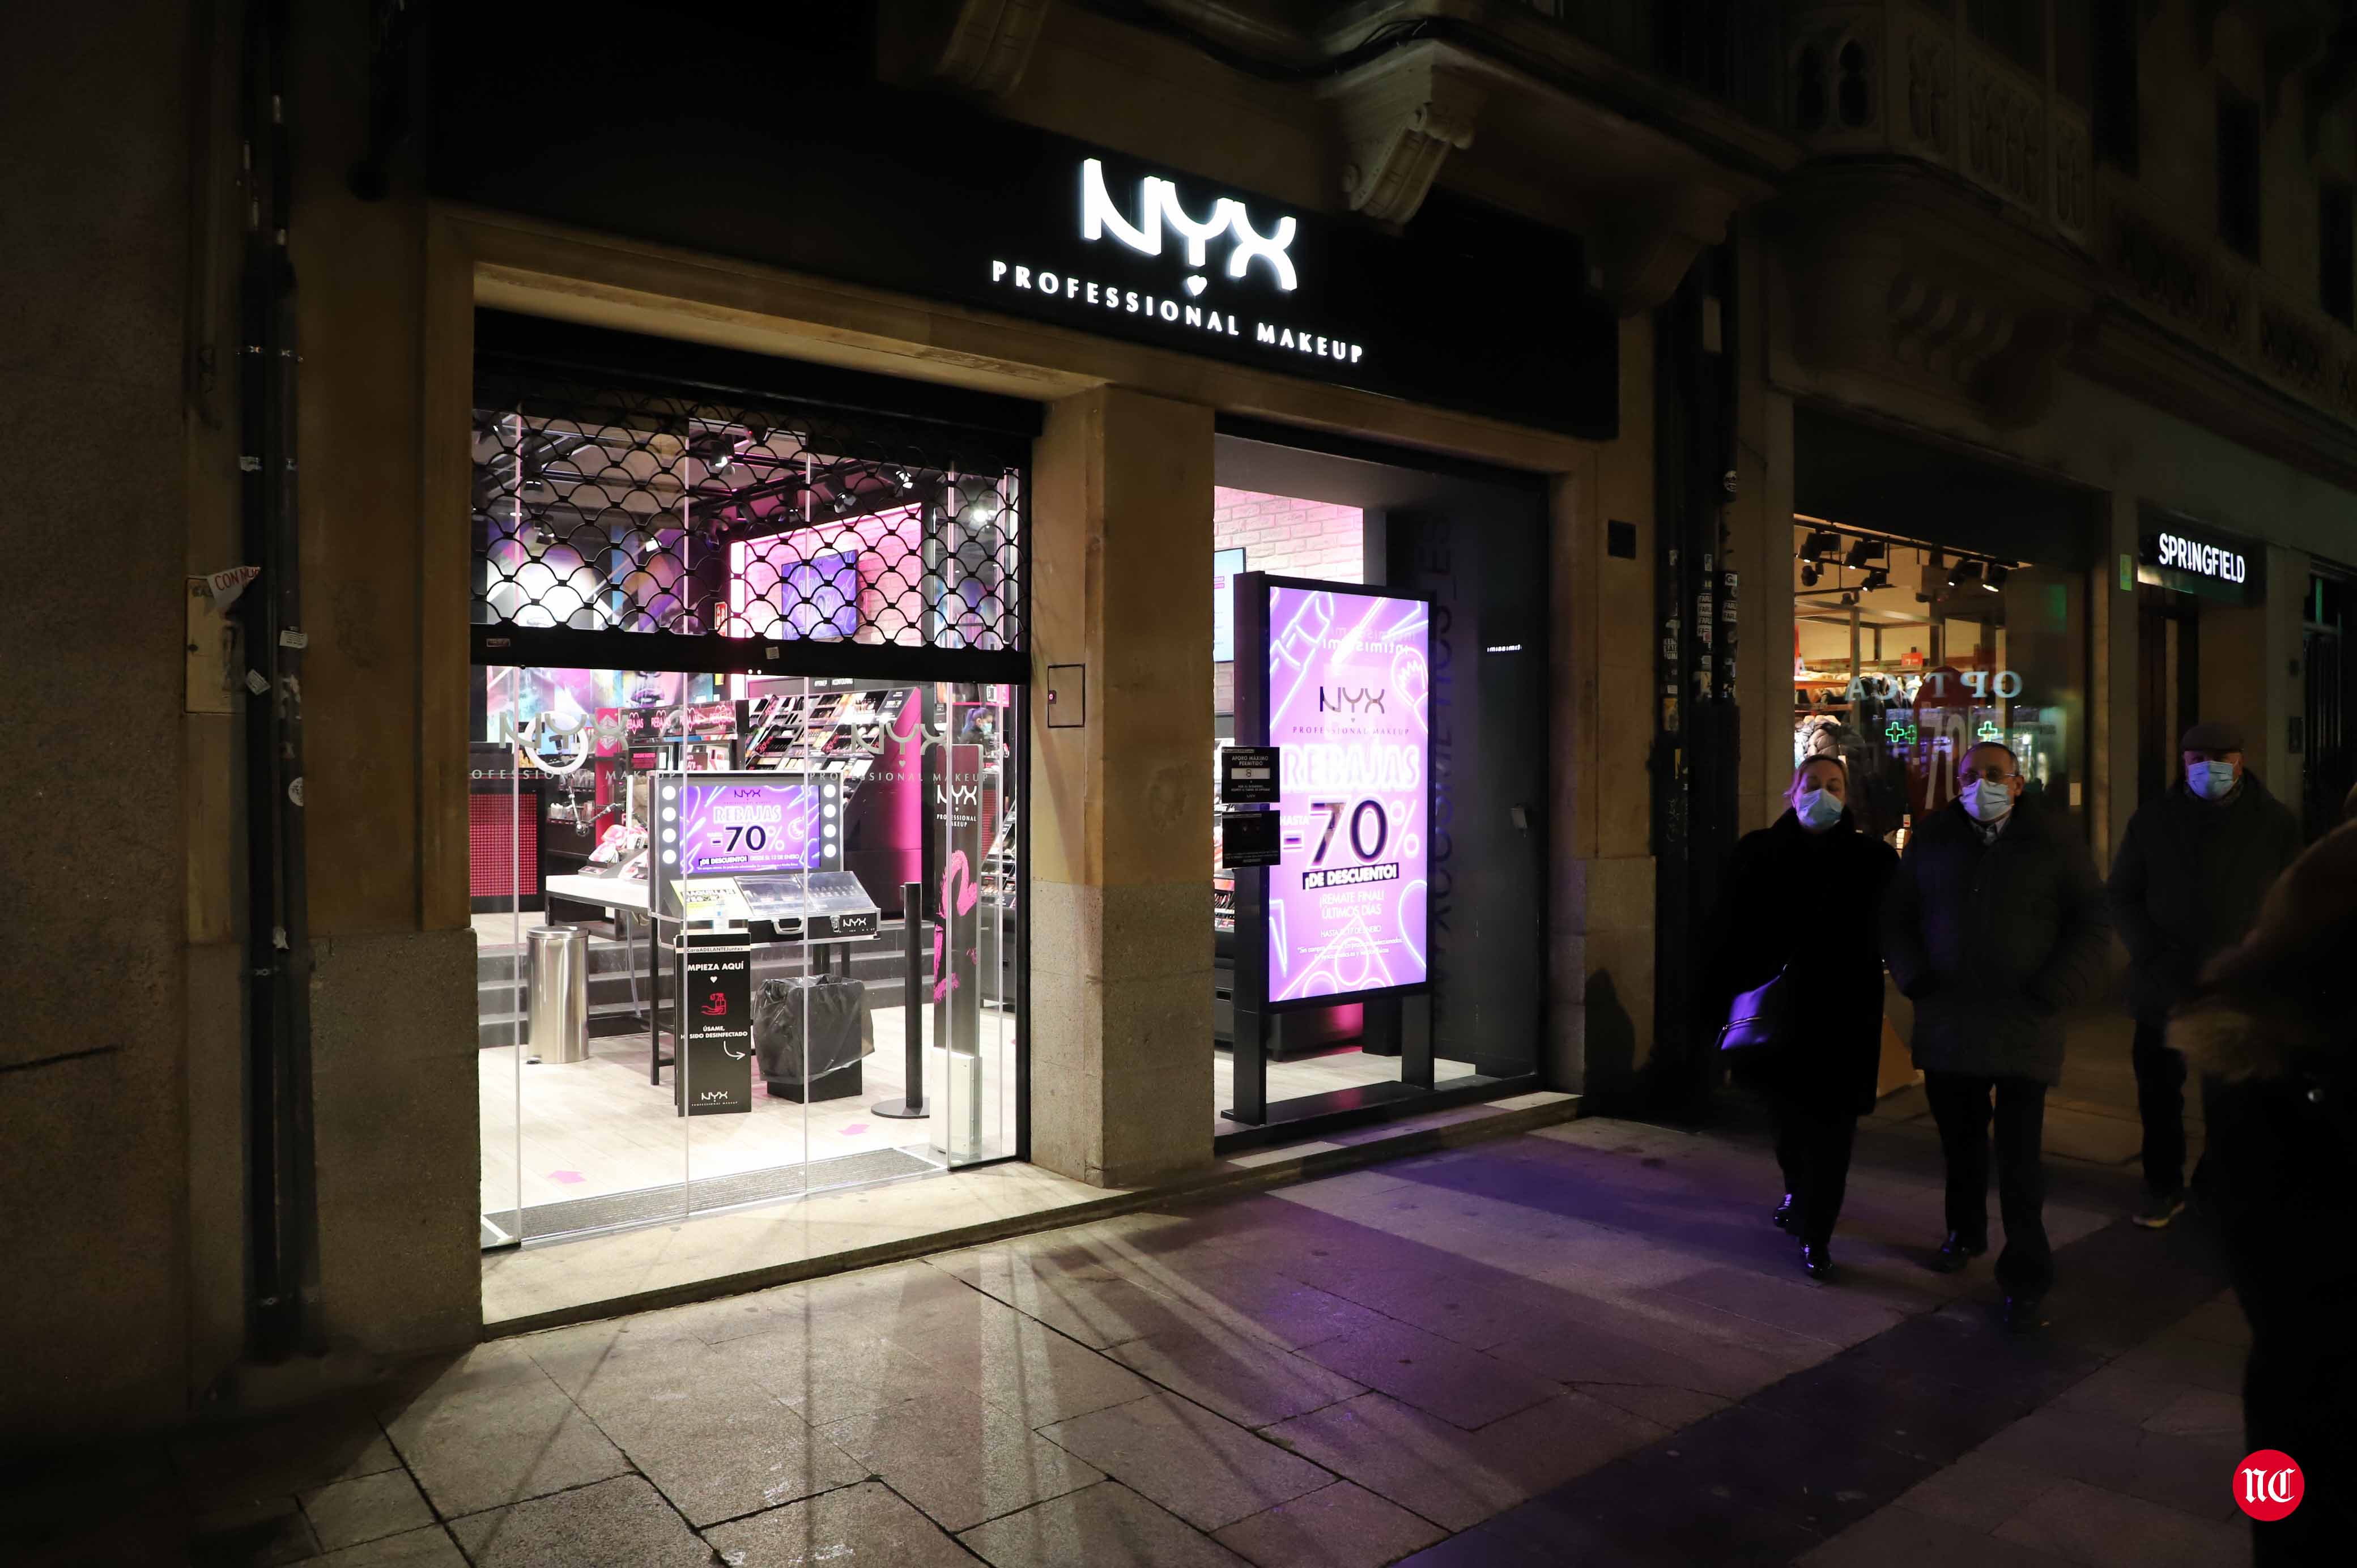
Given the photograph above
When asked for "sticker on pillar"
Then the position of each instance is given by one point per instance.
(1068, 696)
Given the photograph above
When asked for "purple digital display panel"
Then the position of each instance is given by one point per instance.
(1349, 709)
(726, 826)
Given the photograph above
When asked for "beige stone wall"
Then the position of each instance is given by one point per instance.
(96, 109)
(394, 1086)
(1601, 717)
(1121, 895)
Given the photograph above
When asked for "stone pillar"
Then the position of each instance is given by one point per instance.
(1601, 713)
(1120, 803)
(2285, 677)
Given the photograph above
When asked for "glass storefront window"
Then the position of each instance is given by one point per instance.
(748, 919)
(1907, 654)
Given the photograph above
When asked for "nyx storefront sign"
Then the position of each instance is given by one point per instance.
(1466, 307)
(2190, 557)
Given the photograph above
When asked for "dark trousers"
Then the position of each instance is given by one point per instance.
(1813, 1145)
(1961, 1105)
(2297, 1288)
(2160, 1102)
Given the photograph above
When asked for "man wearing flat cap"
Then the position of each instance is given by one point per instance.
(2185, 887)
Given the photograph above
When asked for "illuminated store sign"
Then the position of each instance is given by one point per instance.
(1466, 306)
(2204, 560)
(1259, 265)
(1349, 709)
(2191, 559)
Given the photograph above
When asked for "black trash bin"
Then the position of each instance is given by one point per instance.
(840, 1035)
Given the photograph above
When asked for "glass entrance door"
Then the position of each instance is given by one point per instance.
(751, 937)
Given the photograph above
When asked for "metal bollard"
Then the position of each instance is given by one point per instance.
(912, 990)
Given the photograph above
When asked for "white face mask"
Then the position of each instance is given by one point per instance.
(1817, 808)
(2211, 780)
(1989, 802)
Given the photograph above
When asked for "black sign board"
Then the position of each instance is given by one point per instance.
(1248, 776)
(2180, 553)
(714, 1070)
(1250, 838)
(688, 138)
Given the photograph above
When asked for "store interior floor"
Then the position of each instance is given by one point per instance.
(558, 1136)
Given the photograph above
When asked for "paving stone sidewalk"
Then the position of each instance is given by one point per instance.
(1585, 1345)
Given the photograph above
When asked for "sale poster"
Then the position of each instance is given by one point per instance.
(1349, 712)
(728, 826)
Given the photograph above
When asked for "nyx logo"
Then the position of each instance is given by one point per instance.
(1158, 204)
(1343, 700)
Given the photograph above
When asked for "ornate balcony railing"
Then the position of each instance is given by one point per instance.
(2205, 292)
(1911, 79)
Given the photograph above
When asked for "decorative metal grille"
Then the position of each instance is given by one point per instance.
(693, 514)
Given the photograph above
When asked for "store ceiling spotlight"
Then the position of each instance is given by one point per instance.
(1808, 574)
(1818, 545)
(1879, 577)
(1995, 577)
(1966, 573)
(1864, 552)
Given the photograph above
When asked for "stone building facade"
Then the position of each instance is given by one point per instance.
(1948, 225)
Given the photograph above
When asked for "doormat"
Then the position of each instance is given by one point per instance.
(648, 1205)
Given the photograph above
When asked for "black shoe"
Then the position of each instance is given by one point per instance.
(1783, 1214)
(2158, 1211)
(2021, 1313)
(1954, 1253)
(1816, 1261)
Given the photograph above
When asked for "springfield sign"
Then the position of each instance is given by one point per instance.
(1224, 273)
(2203, 560)
(2184, 561)
(1349, 709)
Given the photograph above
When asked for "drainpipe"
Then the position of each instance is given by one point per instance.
(283, 1275)
(1695, 756)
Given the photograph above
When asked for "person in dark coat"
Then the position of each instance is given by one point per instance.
(2273, 1028)
(1994, 928)
(1806, 892)
(2186, 885)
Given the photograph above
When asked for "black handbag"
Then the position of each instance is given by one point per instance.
(1758, 1023)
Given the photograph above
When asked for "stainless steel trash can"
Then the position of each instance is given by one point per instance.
(556, 1001)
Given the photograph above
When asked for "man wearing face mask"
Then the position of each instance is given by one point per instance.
(1994, 927)
(2191, 872)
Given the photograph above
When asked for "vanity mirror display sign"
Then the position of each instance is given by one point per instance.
(713, 1075)
(739, 824)
(1344, 696)
(2180, 553)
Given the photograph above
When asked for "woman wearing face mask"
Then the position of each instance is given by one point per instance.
(1802, 896)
